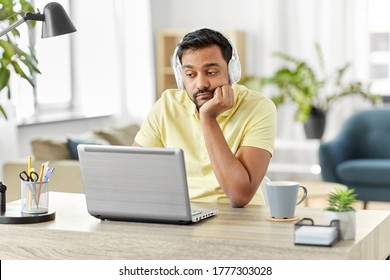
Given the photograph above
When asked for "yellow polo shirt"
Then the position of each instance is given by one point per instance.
(174, 122)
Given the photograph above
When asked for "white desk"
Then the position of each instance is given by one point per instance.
(235, 233)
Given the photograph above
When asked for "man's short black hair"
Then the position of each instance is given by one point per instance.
(204, 38)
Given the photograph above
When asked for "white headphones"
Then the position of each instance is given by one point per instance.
(234, 66)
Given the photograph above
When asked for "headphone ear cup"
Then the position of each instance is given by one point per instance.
(179, 76)
(234, 69)
(177, 70)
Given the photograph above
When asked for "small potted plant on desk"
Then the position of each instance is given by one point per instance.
(340, 207)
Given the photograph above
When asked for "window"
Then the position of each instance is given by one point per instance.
(379, 28)
(105, 68)
(54, 84)
(53, 87)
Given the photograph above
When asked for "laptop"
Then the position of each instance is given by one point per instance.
(137, 184)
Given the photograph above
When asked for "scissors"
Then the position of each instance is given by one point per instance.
(25, 177)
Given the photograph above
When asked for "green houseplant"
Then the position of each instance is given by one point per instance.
(341, 200)
(341, 207)
(13, 59)
(312, 93)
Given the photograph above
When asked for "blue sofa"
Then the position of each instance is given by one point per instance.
(359, 157)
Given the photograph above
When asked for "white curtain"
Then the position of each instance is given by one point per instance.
(135, 51)
(114, 62)
(8, 134)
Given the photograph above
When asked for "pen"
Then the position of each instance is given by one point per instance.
(48, 173)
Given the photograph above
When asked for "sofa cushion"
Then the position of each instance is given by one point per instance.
(122, 136)
(45, 149)
(52, 148)
(364, 171)
(73, 143)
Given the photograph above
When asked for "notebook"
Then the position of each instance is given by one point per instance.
(137, 184)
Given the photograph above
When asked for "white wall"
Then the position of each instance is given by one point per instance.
(217, 14)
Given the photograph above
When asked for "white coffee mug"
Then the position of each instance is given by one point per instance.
(282, 198)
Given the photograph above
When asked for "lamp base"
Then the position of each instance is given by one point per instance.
(13, 216)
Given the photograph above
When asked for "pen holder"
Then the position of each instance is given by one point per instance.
(34, 197)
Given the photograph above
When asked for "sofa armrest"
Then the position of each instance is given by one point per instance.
(65, 178)
(330, 155)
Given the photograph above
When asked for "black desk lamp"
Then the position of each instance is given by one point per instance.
(55, 21)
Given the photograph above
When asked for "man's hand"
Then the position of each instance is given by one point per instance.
(222, 100)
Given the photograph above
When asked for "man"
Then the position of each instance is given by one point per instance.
(225, 130)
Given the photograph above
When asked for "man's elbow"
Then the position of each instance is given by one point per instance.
(240, 202)
(135, 144)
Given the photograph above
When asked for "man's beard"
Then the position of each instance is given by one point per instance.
(207, 93)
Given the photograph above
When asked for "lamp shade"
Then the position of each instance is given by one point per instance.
(57, 21)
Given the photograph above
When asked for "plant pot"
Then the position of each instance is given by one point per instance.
(315, 124)
(347, 223)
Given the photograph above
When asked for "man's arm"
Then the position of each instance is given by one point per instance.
(135, 144)
(238, 175)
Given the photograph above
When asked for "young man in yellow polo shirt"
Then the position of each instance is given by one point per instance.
(226, 130)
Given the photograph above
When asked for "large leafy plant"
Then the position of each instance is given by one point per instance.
(298, 82)
(13, 59)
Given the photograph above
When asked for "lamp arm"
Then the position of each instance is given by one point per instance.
(12, 26)
(28, 16)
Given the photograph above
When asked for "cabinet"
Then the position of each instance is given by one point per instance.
(167, 41)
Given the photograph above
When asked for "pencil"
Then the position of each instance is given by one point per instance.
(30, 194)
(42, 172)
(40, 185)
(29, 165)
